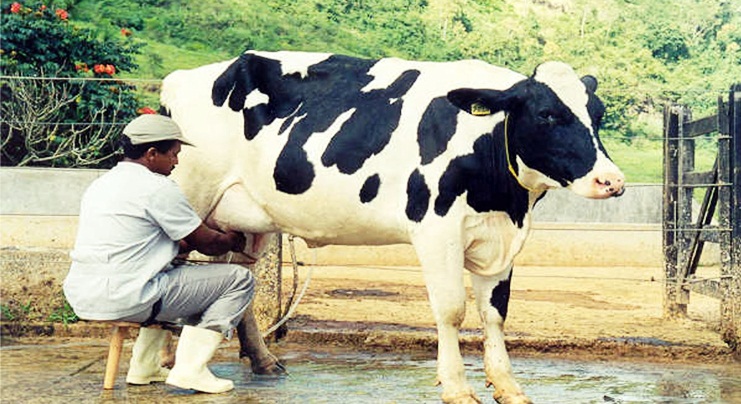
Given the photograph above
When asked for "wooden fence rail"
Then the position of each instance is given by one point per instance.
(718, 220)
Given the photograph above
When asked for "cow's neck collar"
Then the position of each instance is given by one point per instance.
(509, 161)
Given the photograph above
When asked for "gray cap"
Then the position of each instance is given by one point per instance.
(150, 128)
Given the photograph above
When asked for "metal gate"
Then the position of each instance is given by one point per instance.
(718, 219)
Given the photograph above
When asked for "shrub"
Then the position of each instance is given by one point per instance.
(61, 102)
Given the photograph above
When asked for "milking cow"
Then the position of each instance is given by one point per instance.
(450, 157)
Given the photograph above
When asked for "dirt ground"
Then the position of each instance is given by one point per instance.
(578, 312)
(585, 312)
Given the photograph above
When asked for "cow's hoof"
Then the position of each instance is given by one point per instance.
(270, 366)
(462, 398)
(275, 369)
(519, 398)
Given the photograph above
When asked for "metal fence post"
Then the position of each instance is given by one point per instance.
(731, 258)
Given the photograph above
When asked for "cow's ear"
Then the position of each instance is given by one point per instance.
(590, 82)
(481, 102)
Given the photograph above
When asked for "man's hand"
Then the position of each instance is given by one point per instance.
(239, 241)
(213, 242)
(184, 248)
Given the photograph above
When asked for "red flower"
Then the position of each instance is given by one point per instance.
(43, 7)
(15, 8)
(145, 110)
(82, 66)
(125, 32)
(104, 69)
(62, 14)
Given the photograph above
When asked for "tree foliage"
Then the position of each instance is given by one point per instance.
(52, 113)
(645, 53)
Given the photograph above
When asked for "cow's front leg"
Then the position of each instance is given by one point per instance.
(252, 346)
(444, 280)
(492, 299)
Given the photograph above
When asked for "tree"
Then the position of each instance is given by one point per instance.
(667, 43)
(61, 104)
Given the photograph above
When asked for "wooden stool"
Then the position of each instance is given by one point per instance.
(119, 331)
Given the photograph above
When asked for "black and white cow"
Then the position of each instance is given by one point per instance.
(450, 157)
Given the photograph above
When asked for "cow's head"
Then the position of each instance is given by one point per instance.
(551, 127)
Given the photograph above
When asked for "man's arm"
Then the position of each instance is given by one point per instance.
(213, 242)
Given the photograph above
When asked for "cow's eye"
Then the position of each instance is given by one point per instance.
(547, 118)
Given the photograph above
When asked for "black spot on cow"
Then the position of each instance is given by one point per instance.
(369, 191)
(436, 128)
(330, 88)
(248, 73)
(255, 118)
(370, 127)
(296, 173)
(484, 177)
(418, 197)
(500, 296)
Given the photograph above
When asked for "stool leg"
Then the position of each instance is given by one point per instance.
(114, 356)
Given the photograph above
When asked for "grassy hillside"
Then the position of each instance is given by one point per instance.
(646, 53)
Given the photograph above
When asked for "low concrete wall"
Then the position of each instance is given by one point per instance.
(550, 244)
(39, 209)
(58, 191)
(38, 222)
(43, 191)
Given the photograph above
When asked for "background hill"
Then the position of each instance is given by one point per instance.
(646, 53)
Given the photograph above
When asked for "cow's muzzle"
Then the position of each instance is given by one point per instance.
(600, 184)
(609, 185)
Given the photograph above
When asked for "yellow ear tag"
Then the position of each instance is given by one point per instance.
(479, 109)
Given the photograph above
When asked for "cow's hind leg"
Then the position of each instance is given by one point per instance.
(492, 299)
(252, 346)
(236, 210)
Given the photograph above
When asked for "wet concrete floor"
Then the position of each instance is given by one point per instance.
(72, 371)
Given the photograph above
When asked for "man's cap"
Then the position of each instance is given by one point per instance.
(150, 128)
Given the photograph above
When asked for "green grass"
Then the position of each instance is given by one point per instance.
(642, 161)
(159, 59)
(64, 315)
(640, 164)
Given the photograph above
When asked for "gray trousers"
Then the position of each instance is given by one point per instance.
(212, 296)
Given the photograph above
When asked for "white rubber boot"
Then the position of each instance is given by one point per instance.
(144, 367)
(195, 348)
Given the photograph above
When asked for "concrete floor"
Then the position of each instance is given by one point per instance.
(71, 371)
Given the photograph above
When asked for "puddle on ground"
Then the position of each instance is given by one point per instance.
(357, 377)
(388, 378)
